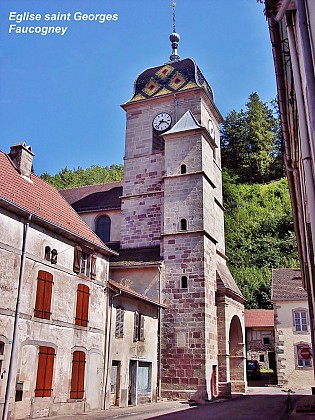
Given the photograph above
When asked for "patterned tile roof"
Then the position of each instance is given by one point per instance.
(43, 201)
(168, 78)
(259, 318)
(287, 284)
(94, 197)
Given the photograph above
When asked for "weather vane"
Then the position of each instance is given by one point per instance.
(174, 37)
(174, 16)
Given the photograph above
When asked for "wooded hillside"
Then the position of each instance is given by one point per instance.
(259, 231)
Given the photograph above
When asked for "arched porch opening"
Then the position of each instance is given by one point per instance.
(237, 359)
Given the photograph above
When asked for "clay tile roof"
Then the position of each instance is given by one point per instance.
(126, 290)
(259, 318)
(287, 284)
(43, 201)
(94, 197)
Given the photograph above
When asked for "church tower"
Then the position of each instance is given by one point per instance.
(172, 202)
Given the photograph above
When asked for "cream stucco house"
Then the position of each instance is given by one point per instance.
(53, 277)
(292, 330)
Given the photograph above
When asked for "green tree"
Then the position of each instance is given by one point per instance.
(259, 235)
(67, 178)
(251, 142)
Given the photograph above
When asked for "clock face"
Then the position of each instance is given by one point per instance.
(162, 121)
(211, 128)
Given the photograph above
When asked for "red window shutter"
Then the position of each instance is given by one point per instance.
(77, 377)
(43, 295)
(77, 259)
(45, 369)
(82, 310)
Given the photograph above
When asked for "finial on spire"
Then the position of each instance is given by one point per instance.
(174, 37)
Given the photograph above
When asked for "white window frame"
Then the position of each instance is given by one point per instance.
(300, 327)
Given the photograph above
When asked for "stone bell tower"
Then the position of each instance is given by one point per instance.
(172, 199)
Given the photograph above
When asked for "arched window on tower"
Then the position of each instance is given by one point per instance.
(184, 282)
(183, 224)
(183, 169)
(103, 228)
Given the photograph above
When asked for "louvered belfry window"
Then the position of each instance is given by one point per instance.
(45, 369)
(120, 315)
(43, 295)
(77, 377)
(82, 309)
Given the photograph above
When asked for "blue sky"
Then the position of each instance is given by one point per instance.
(62, 94)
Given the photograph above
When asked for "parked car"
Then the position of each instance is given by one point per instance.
(252, 369)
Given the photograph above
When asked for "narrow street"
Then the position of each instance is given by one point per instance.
(259, 403)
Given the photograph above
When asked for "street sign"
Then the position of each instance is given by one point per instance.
(305, 353)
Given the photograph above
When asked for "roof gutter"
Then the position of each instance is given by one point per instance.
(56, 228)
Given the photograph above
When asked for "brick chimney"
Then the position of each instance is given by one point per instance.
(22, 157)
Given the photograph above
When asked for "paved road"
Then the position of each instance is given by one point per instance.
(258, 404)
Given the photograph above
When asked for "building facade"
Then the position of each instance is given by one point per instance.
(260, 337)
(171, 229)
(53, 276)
(294, 355)
(292, 33)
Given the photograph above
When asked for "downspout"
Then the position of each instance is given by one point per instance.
(282, 10)
(309, 70)
(306, 161)
(109, 343)
(106, 347)
(158, 394)
(16, 323)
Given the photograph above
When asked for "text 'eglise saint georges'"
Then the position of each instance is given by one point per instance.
(53, 17)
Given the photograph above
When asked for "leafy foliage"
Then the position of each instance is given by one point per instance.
(252, 142)
(259, 235)
(67, 178)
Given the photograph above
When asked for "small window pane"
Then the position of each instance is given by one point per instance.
(103, 228)
(144, 377)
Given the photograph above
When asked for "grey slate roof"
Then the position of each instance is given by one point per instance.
(287, 284)
(187, 122)
(94, 197)
(225, 279)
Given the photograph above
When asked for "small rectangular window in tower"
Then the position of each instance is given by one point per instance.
(184, 282)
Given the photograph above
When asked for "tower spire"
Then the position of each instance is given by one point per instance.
(174, 37)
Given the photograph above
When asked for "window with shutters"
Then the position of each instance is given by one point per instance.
(43, 295)
(119, 330)
(103, 228)
(82, 308)
(138, 332)
(45, 369)
(84, 263)
(77, 376)
(300, 320)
